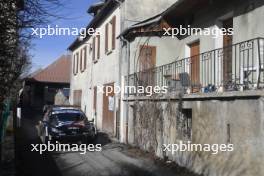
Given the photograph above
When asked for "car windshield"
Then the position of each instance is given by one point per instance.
(68, 116)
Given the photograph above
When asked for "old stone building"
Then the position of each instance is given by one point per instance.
(97, 59)
(215, 85)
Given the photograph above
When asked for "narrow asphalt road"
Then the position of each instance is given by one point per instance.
(115, 159)
(32, 163)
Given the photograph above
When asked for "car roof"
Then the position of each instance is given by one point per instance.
(59, 108)
(67, 111)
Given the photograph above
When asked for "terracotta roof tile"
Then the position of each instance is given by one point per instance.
(57, 72)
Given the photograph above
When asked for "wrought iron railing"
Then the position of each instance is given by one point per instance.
(235, 67)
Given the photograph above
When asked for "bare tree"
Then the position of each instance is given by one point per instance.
(16, 19)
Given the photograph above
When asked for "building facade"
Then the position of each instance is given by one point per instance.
(97, 59)
(40, 87)
(215, 82)
(215, 85)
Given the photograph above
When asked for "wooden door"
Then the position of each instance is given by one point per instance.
(108, 112)
(147, 61)
(195, 66)
(227, 53)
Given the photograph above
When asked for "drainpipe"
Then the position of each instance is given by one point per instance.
(120, 66)
(122, 7)
(128, 72)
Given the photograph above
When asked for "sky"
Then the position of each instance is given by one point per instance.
(49, 48)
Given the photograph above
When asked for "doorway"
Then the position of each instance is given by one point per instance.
(195, 66)
(147, 61)
(108, 109)
(227, 53)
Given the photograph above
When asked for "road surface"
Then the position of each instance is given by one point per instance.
(115, 159)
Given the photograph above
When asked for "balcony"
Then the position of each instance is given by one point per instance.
(237, 67)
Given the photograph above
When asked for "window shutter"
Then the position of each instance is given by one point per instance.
(81, 61)
(85, 57)
(77, 64)
(98, 47)
(106, 38)
(93, 48)
(113, 32)
(73, 67)
(95, 98)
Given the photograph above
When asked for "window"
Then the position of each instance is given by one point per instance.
(110, 35)
(184, 124)
(83, 59)
(75, 63)
(96, 48)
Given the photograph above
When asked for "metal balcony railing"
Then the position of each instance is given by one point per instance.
(236, 67)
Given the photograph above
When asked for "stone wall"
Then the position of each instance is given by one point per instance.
(154, 123)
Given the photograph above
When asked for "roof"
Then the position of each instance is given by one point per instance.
(95, 7)
(148, 22)
(107, 8)
(57, 72)
(172, 16)
(34, 73)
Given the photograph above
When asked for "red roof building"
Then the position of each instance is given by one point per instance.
(41, 86)
(57, 72)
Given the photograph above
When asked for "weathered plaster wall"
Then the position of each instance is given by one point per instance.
(104, 71)
(153, 123)
(139, 10)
